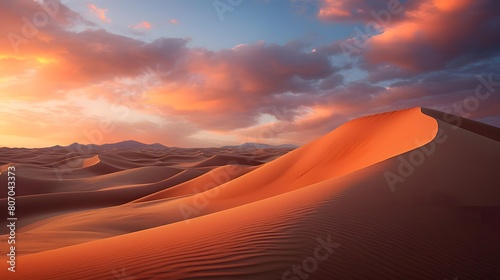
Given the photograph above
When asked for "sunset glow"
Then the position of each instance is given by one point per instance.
(157, 74)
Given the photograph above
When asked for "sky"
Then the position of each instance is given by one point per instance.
(208, 73)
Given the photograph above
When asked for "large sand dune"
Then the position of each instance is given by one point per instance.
(410, 194)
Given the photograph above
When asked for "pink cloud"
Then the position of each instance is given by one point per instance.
(100, 13)
(173, 21)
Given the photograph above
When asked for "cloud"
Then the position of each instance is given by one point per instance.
(100, 13)
(440, 34)
(141, 25)
(426, 35)
(249, 78)
(363, 10)
(26, 21)
(173, 21)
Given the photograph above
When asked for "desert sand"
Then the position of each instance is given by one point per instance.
(409, 194)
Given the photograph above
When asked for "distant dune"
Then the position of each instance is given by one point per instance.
(409, 194)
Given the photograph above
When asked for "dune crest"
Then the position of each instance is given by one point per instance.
(352, 146)
(91, 161)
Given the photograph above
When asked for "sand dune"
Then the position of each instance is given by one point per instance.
(218, 160)
(410, 194)
(208, 181)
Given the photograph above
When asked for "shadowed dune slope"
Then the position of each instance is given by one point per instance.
(467, 124)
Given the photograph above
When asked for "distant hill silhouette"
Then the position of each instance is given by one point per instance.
(128, 144)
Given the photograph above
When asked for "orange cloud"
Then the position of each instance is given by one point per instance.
(100, 13)
(333, 9)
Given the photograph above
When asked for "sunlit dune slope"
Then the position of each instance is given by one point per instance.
(400, 195)
(352, 146)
